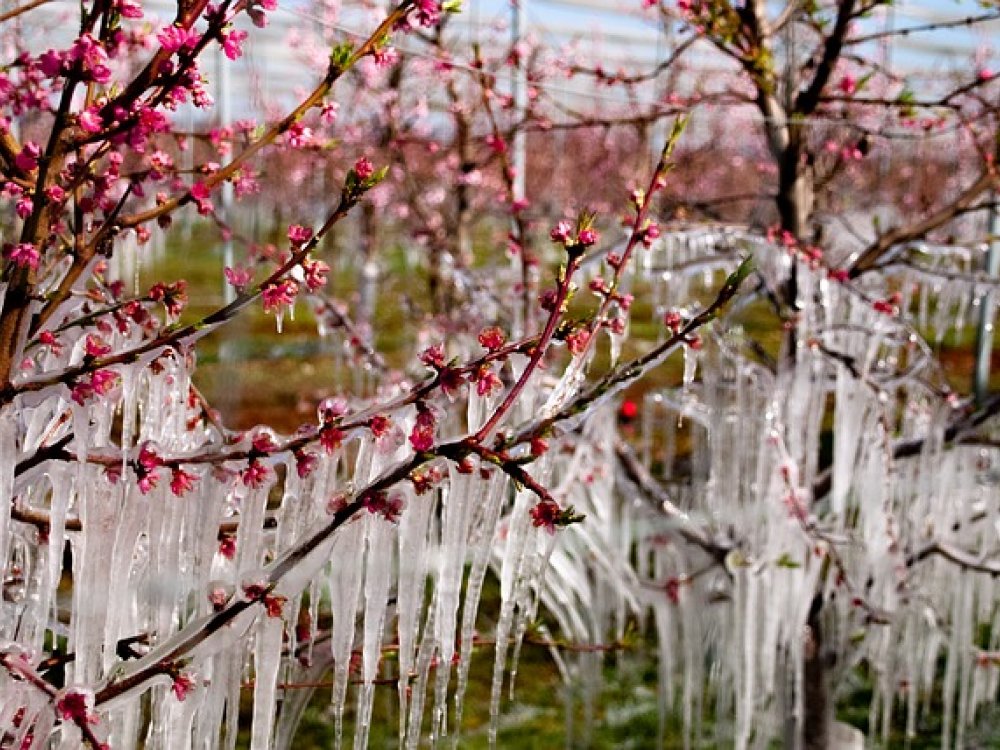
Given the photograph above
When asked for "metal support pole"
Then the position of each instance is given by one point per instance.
(518, 154)
(519, 90)
(984, 338)
(226, 195)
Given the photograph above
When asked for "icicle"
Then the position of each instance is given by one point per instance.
(690, 366)
(482, 546)
(518, 528)
(345, 588)
(8, 463)
(378, 566)
(267, 662)
(410, 591)
(425, 655)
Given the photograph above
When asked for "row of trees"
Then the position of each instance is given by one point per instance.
(771, 514)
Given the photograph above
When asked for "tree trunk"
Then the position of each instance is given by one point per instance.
(818, 719)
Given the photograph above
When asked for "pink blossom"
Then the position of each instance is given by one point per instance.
(238, 277)
(672, 320)
(148, 480)
(298, 135)
(279, 294)
(315, 273)
(328, 112)
(24, 255)
(539, 446)
(129, 8)
(331, 409)
(840, 275)
(299, 235)
(95, 346)
(47, 338)
(588, 237)
(173, 38)
(200, 193)
(24, 207)
(577, 340)
(90, 120)
(274, 604)
(427, 12)
(652, 232)
(560, 232)
(385, 57)
(51, 63)
(102, 381)
(232, 43)
(173, 296)
(93, 58)
(27, 159)
(487, 381)
(519, 205)
(363, 168)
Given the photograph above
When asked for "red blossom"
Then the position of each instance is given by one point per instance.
(545, 515)
(496, 143)
(539, 446)
(492, 339)
(380, 425)
(433, 356)
(227, 546)
(181, 482)
(274, 604)
(182, 685)
(75, 705)
(386, 505)
(422, 435)
(486, 381)
(577, 340)
(95, 346)
(673, 590)
(305, 463)
(331, 438)
(629, 409)
(255, 475)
